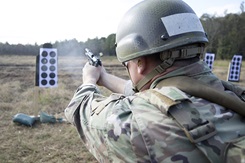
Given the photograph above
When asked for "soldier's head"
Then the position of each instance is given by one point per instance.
(162, 31)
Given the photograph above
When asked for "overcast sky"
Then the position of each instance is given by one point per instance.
(40, 21)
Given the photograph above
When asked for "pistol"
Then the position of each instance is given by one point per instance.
(93, 60)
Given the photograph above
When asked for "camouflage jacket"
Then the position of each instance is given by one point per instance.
(123, 128)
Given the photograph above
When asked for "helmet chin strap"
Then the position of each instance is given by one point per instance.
(168, 58)
(156, 71)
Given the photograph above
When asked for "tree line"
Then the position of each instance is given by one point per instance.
(226, 36)
(64, 48)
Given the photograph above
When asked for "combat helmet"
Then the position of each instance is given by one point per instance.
(154, 26)
(157, 25)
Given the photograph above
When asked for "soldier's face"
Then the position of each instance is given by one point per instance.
(133, 70)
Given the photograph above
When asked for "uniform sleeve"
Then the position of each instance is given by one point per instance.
(128, 90)
(103, 123)
(83, 92)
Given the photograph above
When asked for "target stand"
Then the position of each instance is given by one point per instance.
(46, 71)
(209, 59)
(235, 69)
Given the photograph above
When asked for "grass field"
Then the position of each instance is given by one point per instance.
(52, 143)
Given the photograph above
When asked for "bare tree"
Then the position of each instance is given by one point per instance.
(242, 7)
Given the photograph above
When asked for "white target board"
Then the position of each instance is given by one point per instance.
(46, 69)
(235, 68)
(209, 59)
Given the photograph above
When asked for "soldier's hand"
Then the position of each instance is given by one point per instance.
(91, 74)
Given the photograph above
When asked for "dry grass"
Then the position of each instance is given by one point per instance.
(42, 142)
(47, 142)
(220, 69)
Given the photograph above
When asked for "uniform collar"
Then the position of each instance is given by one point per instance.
(192, 70)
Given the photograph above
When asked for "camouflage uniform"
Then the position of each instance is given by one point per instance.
(138, 128)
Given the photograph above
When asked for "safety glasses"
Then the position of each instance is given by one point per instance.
(125, 64)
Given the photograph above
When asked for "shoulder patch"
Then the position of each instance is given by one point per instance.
(173, 93)
(163, 98)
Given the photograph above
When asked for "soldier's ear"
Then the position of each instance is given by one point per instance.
(141, 65)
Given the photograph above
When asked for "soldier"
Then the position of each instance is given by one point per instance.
(176, 111)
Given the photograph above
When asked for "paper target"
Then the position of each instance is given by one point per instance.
(235, 68)
(46, 69)
(209, 59)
